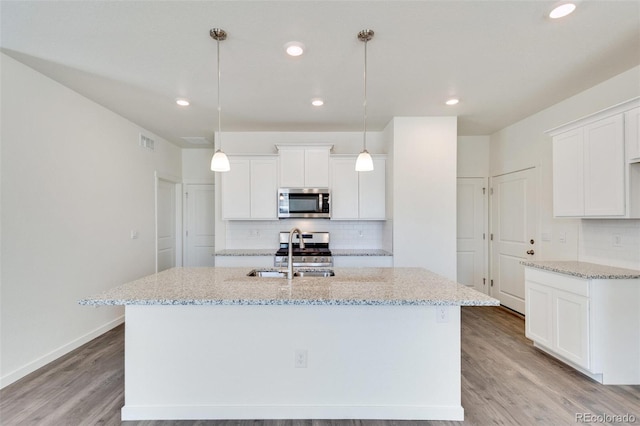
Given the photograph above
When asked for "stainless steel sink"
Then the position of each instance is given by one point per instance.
(270, 273)
(322, 273)
(267, 273)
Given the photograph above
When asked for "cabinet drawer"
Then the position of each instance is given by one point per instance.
(568, 283)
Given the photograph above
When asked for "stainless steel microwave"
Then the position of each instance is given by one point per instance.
(304, 202)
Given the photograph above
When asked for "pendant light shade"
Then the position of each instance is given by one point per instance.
(219, 162)
(364, 163)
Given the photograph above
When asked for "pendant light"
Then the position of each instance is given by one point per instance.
(219, 162)
(364, 163)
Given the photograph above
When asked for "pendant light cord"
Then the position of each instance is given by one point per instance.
(364, 123)
(219, 108)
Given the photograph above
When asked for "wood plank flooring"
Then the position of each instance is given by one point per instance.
(505, 381)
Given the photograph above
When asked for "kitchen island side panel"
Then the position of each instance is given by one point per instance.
(238, 362)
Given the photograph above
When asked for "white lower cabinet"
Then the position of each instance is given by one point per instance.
(587, 323)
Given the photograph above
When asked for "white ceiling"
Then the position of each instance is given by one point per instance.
(504, 59)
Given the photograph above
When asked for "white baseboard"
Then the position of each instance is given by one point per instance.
(220, 412)
(57, 353)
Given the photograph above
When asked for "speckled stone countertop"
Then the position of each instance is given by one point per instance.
(360, 252)
(349, 286)
(246, 252)
(272, 252)
(584, 269)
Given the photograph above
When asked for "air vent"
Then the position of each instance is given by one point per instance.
(196, 140)
(147, 142)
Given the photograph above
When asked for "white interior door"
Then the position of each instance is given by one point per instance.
(166, 225)
(199, 225)
(471, 233)
(514, 232)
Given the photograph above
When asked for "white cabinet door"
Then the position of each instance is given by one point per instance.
(292, 165)
(316, 168)
(236, 190)
(357, 195)
(632, 134)
(568, 180)
(344, 189)
(264, 189)
(539, 314)
(249, 189)
(572, 327)
(372, 195)
(304, 166)
(596, 164)
(604, 189)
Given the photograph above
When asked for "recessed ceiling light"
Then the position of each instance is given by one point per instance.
(317, 102)
(452, 101)
(562, 10)
(294, 48)
(182, 102)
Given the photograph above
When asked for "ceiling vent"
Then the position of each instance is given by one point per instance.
(196, 140)
(147, 142)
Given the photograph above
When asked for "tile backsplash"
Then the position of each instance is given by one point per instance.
(344, 234)
(610, 242)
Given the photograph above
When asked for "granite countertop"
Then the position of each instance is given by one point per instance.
(349, 286)
(584, 269)
(246, 252)
(360, 252)
(272, 252)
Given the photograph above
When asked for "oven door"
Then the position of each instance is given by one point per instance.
(303, 202)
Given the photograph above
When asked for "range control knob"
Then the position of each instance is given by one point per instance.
(303, 260)
(315, 260)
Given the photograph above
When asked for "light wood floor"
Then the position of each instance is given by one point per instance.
(505, 381)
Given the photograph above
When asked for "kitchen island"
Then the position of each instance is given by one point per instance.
(367, 343)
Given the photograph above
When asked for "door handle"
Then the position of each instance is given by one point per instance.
(531, 252)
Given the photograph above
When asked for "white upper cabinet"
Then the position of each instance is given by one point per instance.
(304, 166)
(632, 134)
(568, 172)
(604, 166)
(250, 188)
(357, 195)
(592, 178)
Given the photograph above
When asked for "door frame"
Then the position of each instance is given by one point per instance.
(176, 181)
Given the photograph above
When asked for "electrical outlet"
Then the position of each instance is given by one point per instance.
(616, 240)
(134, 234)
(442, 314)
(563, 237)
(300, 358)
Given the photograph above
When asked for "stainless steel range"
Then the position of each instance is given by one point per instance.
(315, 253)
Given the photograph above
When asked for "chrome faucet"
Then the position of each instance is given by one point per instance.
(290, 256)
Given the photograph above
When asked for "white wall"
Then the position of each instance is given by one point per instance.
(424, 193)
(524, 144)
(74, 185)
(473, 156)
